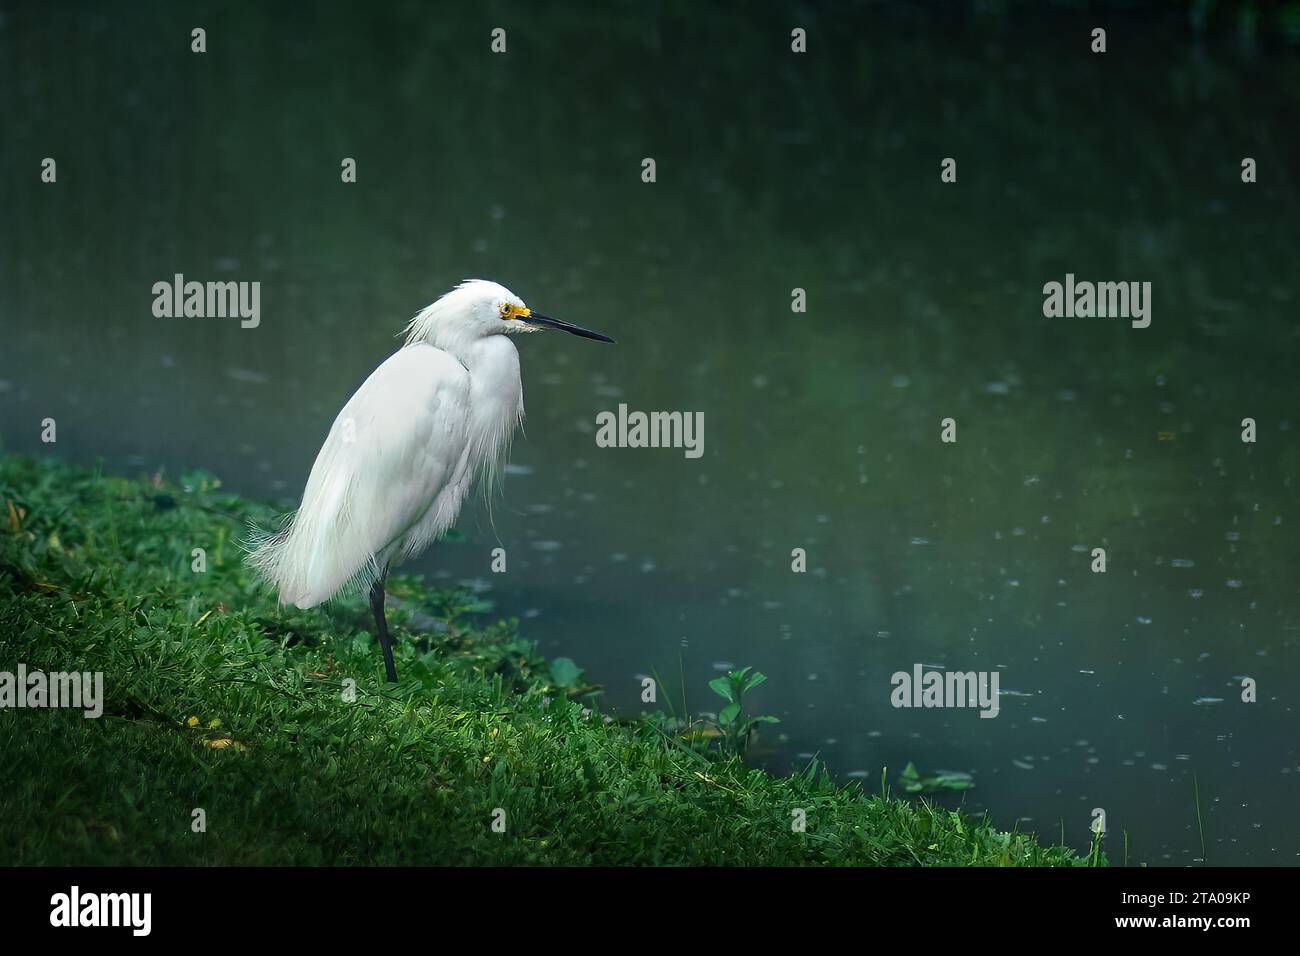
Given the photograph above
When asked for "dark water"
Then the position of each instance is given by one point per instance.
(822, 429)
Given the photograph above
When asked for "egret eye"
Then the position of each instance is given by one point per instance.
(505, 311)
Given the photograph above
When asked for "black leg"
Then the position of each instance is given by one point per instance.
(377, 605)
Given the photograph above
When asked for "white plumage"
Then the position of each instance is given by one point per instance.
(406, 449)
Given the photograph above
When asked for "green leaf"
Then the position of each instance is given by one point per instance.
(722, 687)
(912, 781)
(755, 680)
(728, 713)
(565, 673)
(953, 780)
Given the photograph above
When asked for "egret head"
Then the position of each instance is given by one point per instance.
(477, 308)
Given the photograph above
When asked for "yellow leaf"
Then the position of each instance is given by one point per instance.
(104, 827)
(192, 722)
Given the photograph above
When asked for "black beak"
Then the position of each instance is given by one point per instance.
(545, 321)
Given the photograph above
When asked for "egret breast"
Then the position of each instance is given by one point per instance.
(496, 403)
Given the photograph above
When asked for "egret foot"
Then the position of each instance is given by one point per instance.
(377, 605)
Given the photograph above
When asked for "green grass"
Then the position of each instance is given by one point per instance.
(96, 575)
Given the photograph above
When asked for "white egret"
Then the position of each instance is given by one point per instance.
(406, 449)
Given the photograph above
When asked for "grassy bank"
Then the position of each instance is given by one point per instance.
(217, 699)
